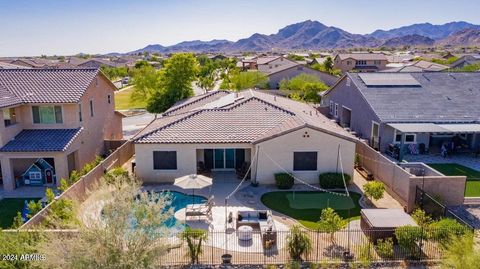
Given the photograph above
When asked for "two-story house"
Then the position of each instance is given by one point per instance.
(360, 62)
(60, 116)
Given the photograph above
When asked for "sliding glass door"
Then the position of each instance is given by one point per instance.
(224, 158)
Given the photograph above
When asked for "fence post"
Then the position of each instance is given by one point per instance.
(318, 243)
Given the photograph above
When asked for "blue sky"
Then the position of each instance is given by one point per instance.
(33, 27)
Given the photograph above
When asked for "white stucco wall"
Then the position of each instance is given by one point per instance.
(281, 149)
(186, 160)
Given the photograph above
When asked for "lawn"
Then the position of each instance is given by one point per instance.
(472, 188)
(123, 100)
(9, 208)
(306, 206)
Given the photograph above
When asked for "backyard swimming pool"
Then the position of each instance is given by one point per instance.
(180, 201)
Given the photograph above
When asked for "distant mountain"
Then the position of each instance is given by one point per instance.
(424, 29)
(465, 37)
(412, 40)
(315, 35)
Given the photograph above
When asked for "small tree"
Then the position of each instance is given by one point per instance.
(131, 232)
(331, 222)
(298, 243)
(374, 190)
(63, 185)
(194, 239)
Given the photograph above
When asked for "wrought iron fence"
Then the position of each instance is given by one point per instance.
(340, 247)
(434, 208)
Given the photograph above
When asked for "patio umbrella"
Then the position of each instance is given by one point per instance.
(193, 182)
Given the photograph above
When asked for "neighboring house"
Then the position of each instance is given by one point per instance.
(29, 63)
(228, 132)
(62, 116)
(269, 63)
(293, 69)
(360, 62)
(4, 65)
(418, 66)
(97, 63)
(466, 60)
(389, 109)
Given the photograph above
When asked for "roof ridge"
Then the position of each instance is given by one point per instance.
(193, 102)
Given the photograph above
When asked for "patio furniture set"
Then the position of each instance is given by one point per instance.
(256, 221)
(200, 210)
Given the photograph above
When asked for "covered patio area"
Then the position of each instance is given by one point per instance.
(431, 141)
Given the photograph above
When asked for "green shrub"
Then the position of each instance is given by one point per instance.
(116, 175)
(333, 180)
(50, 195)
(293, 265)
(34, 208)
(284, 181)
(407, 237)
(74, 176)
(446, 229)
(421, 218)
(384, 248)
(298, 243)
(63, 185)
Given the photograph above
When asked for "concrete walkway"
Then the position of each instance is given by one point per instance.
(24, 192)
(386, 202)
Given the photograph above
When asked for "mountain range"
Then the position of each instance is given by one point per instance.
(312, 35)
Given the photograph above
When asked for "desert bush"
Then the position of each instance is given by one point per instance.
(407, 237)
(374, 190)
(284, 181)
(421, 218)
(384, 248)
(333, 180)
(445, 230)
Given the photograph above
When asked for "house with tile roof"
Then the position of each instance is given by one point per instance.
(409, 110)
(293, 69)
(62, 116)
(360, 62)
(227, 132)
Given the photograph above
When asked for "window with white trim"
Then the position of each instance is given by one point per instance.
(336, 110)
(35, 175)
(331, 107)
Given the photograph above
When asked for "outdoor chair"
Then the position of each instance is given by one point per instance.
(207, 212)
(200, 207)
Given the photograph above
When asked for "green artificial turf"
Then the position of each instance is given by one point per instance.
(472, 188)
(308, 212)
(9, 208)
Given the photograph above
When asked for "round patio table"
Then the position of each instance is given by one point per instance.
(245, 233)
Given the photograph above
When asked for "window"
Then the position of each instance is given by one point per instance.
(361, 62)
(109, 98)
(305, 161)
(348, 62)
(336, 110)
(80, 118)
(409, 138)
(35, 175)
(91, 108)
(377, 62)
(164, 160)
(9, 117)
(47, 114)
(331, 107)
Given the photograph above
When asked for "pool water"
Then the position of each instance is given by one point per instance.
(180, 201)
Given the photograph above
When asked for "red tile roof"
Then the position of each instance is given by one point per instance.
(44, 85)
(248, 117)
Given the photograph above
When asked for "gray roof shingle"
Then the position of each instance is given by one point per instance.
(45, 85)
(440, 97)
(41, 140)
